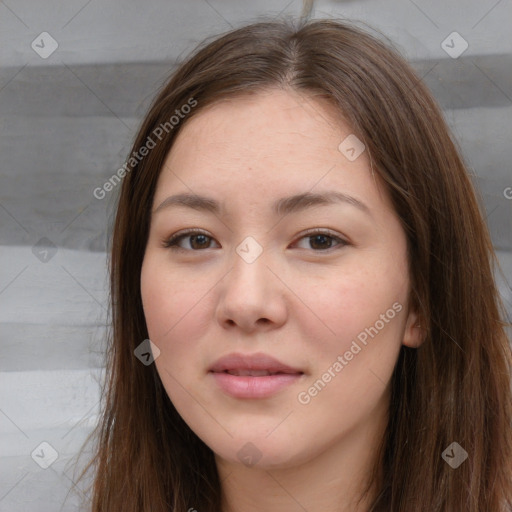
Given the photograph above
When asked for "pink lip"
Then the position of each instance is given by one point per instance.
(247, 386)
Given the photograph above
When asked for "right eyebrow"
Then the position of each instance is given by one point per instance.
(192, 201)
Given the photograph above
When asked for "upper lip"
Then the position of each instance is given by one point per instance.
(255, 362)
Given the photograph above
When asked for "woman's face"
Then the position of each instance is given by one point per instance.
(324, 313)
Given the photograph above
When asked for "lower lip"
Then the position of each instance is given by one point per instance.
(254, 387)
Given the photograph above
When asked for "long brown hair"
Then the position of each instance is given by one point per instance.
(455, 388)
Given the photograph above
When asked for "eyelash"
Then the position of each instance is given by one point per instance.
(171, 242)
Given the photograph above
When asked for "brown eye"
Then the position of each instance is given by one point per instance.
(317, 240)
(322, 241)
(198, 241)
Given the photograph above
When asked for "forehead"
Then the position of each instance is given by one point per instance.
(268, 123)
(265, 145)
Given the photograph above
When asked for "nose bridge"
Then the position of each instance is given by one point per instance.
(250, 293)
(250, 264)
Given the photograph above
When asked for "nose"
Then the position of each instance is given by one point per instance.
(252, 297)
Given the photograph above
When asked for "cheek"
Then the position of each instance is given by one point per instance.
(365, 307)
(172, 309)
(171, 298)
(352, 300)
(351, 369)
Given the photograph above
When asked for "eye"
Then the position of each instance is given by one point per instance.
(322, 239)
(198, 240)
(318, 240)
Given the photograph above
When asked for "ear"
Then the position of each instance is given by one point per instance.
(414, 333)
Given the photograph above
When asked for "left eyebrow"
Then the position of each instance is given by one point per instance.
(282, 206)
(299, 202)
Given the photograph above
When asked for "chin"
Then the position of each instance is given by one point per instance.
(261, 453)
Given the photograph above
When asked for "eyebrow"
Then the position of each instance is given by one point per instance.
(282, 206)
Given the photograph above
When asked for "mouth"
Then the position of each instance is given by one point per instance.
(253, 376)
(254, 365)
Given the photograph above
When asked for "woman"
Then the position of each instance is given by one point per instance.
(299, 239)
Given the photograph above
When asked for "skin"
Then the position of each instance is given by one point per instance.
(300, 301)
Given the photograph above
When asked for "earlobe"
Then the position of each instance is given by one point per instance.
(414, 333)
